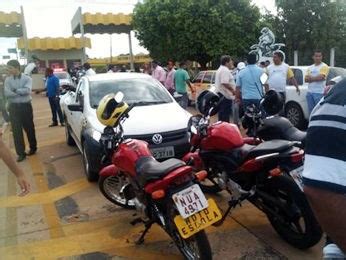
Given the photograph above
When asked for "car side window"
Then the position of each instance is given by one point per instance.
(213, 78)
(198, 78)
(298, 75)
(80, 92)
(207, 77)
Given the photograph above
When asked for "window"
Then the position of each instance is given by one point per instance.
(298, 75)
(141, 90)
(198, 78)
(335, 72)
(207, 77)
(213, 78)
(80, 92)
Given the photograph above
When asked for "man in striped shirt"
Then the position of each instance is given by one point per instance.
(324, 173)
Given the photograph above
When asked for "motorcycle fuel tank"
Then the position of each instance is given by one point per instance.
(222, 136)
(128, 153)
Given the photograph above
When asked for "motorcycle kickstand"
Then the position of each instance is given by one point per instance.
(140, 240)
(231, 204)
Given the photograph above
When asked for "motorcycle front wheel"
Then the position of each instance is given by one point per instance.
(291, 216)
(195, 247)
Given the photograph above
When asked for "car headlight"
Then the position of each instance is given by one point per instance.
(96, 135)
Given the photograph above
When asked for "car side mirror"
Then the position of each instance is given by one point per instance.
(75, 108)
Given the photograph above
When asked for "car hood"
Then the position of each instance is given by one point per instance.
(150, 119)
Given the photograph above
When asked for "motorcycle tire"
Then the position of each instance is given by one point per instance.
(108, 191)
(284, 187)
(199, 241)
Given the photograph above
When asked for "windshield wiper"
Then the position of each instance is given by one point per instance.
(147, 103)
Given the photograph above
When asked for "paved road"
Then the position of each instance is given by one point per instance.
(66, 217)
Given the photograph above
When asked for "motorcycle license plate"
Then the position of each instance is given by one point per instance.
(164, 152)
(198, 221)
(297, 175)
(190, 200)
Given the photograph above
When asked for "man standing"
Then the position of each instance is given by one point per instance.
(181, 79)
(158, 72)
(316, 77)
(169, 83)
(249, 86)
(32, 66)
(88, 70)
(53, 91)
(17, 91)
(324, 173)
(225, 85)
(278, 74)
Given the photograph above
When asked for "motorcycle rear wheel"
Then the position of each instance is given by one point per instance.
(289, 225)
(195, 247)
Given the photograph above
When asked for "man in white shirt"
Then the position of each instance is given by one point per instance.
(316, 76)
(32, 65)
(278, 74)
(225, 85)
(158, 72)
(88, 70)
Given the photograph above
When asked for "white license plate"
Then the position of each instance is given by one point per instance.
(297, 175)
(190, 201)
(163, 152)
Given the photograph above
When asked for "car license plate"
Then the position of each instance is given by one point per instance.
(198, 221)
(297, 175)
(190, 200)
(164, 152)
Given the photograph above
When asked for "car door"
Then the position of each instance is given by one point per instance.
(77, 117)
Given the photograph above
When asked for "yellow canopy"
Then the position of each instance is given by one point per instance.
(11, 24)
(102, 23)
(123, 59)
(54, 43)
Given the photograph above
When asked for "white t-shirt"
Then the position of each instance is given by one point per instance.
(317, 86)
(224, 76)
(29, 68)
(90, 72)
(278, 75)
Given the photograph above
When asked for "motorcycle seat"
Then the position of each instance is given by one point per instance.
(294, 134)
(274, 146)
(149, 169)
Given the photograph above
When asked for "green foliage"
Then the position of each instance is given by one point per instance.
(199, 30)
(305, 25)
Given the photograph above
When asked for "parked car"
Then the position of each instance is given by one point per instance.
(157, 118)
(201, 82)
(296, 109)
(64, 78)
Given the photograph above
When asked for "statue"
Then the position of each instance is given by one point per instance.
(266, 46)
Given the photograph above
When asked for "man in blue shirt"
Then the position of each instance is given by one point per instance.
(249, 87)
(53, 91)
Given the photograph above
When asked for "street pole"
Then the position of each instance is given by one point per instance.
(132, 66)
(81, 27)
(295, 59)
(332, 57)
(110, 48)
(25, 36)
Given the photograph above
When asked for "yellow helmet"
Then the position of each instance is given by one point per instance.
(109, 111)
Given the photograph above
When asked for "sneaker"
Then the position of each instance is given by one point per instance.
(62, 124)
(21, 158)
(53, 124)
(332, 251)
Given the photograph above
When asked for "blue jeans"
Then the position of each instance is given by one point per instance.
(184, 101)
(225, 110)
(312, 100)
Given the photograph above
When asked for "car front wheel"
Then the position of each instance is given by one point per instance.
(295, 114)
(91, 175)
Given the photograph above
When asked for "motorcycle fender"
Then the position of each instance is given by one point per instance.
(110, 170)
(194, 159)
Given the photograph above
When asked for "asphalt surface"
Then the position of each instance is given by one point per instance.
(66, 217)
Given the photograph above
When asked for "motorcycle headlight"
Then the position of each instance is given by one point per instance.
(96, 135)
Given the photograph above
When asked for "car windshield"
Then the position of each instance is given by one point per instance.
(136, 91)
(336, 71)
(61, 75)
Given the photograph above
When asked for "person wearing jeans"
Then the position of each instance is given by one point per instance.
(53, 89)
(181, 80)
(225, 85)
(316, 77)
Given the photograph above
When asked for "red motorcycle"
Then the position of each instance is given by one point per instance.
(166, 193)
(262, 174)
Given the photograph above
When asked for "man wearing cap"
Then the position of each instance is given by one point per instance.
(17, 91)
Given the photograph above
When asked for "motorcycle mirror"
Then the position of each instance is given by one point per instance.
(119, 97)
(264, 78)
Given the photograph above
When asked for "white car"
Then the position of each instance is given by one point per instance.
(296, 108)
(157, 118)
(64, 78)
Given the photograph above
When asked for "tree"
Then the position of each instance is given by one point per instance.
(199, 30)
(310, 24)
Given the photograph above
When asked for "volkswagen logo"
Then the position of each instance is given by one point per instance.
(157, 138)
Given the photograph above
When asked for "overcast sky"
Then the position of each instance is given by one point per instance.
(53, 19)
